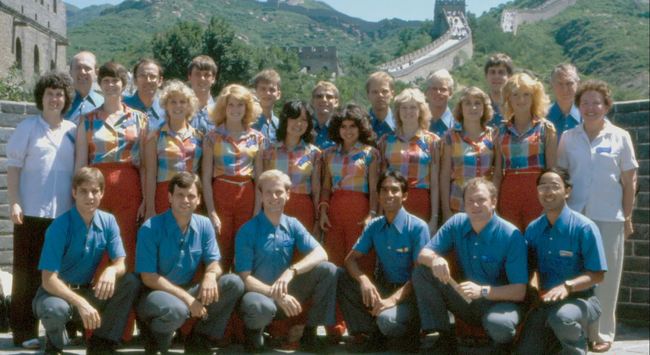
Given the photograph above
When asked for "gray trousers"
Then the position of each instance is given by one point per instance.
(162, 313)
(392, 322)
(562, 325)
(318, 284)
(499, 319)
(54, 312)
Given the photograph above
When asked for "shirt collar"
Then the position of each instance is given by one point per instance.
(533, 124)
(447, 118)
(388, 120)
(562, 220)
(188, 132)
(266, 223)
(79, 221)
(399, 222)
(171, 224)
(355, 148)
(487, 231)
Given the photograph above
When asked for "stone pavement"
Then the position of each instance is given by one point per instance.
(631, 340)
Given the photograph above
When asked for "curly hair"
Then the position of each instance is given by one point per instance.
(178, 88)
(356, 114)
(525, 82)
(598, 86)
(474, 92)
(291, 111)
(237, 92)
(413, 94)
(54, 80)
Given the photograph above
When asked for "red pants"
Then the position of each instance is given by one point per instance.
(518, 201)
(301, 206)
(122, 198)
(418, 203)
(346, 213)
(162, 197)
(234, 201)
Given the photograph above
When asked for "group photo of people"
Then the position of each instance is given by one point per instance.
(173, 219)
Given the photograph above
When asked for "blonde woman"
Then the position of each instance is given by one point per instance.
(232, 161)
(414, 151)
(174, 147)
(468, 149)
(527, 143)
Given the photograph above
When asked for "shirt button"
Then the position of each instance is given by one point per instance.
(549, 252)
(475, 243)
(550, 238)
(474, 256)
(276, 249)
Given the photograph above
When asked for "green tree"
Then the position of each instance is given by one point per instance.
(175, 48)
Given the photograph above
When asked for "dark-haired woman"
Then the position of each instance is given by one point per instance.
(40, 165)
(111, 138)
(294, 154)
(349, 192)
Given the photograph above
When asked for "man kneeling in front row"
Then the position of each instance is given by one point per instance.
(492, 257)
(385, 307)
(264, 249)
(74, 245)
(169, 250)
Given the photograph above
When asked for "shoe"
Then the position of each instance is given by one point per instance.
(310, 342)
(254, 340)
(100, 346)
(31, 344)
(600, 346)
(198, 344)
(50, 349)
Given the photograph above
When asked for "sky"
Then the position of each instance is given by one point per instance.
(403, 9)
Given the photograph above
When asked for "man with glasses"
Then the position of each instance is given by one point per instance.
(148, 79)
(440, 86)
(324, 101)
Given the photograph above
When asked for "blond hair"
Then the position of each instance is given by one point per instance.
(443, 76)
(379, 77)
(178, 88)
(525, 82)
(237, 92)
(413, 94)
(472, 92)
(325, 85)
(274, 175)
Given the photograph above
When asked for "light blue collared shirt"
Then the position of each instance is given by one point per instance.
(563, 122)
(155, 113)
(268, 129)
(83, 105)
(443, 124)
(381, 128)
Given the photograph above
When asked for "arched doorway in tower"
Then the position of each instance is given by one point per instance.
(19, 54)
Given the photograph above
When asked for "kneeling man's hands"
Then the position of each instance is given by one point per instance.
(289, 305)
(382, 304)
(557, 293)
(105, 285)
(197, 310)
(209, 292)
(89, 316)
(470, 289)
(440, 269)
(369, 292)
(281, 286)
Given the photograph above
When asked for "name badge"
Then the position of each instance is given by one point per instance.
(603, 150)
(566, 253)
(402, 250)
(422, 144)
(302, 160)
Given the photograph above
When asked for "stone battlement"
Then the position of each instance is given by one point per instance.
(511, 19)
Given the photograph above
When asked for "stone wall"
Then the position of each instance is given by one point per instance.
(512, 19)
(634, 301)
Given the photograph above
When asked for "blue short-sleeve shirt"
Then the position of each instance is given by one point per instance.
(201, 120)
(268, 128)
(155, 113)
(74, 251)
(83, 105)
(566, 249)
(496, 256)
(497, 117)
(382, 127)
(266, 250)
(443, 124)
(321, 135)
(162, 247)
(397, 244)
(563, 122)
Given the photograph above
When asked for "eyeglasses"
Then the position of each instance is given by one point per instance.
(324, 96)
(549, 187)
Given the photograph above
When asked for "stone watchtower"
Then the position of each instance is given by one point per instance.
(32, 36)
(440, 24)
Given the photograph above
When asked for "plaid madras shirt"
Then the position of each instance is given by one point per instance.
(299, 163)
(178, 151)
(526, 150)
(116, 139)
(469, 159)
(349, 171)
(412, 157)
(235, 157)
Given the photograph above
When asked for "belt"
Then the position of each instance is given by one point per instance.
(238, 183)
(521, 172)
(77, 286)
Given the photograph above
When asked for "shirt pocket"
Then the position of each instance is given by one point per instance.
(491, 265)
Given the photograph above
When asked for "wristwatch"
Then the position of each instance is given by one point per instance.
(295, 271)
(484, 291)
(569, 285)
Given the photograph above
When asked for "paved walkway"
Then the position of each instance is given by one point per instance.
(631, 340)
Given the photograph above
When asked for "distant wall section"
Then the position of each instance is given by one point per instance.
(511, 19)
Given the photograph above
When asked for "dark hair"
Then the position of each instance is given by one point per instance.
(184, 180)
(561, 172)
(395, 174)
(598, 86)
(202, 62)
(88, 174)
(54, 80)
(356, 114)
(113, 70)
(497, 59)
(144, 61)
(292, 110)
